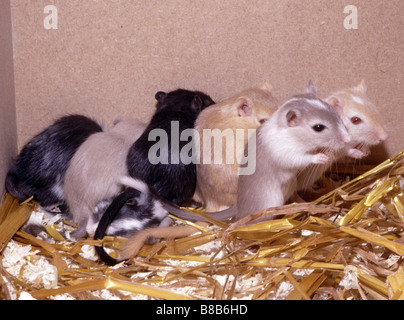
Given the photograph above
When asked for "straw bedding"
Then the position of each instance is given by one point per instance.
(347, 244)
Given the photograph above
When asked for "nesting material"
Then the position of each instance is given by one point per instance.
(348, 244)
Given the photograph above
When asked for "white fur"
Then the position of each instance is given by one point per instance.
(317, 103)
(58, 188)
(134, 183)
(127, 224)
(158, 210)
(358, 100)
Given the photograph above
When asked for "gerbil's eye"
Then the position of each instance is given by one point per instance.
(319, 127)
(262, 121)
(356, 120)
(131, 202)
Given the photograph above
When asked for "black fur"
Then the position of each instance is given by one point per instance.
(173, 182)
(42, 163)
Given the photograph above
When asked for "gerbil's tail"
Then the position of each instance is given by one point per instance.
(178, 212)
(14, 188)
(107, 218)
(173, 208)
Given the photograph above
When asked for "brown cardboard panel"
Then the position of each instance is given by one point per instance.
(108, 58)
(8, 131)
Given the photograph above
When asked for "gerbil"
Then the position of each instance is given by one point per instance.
(42, 163)
(362, 120)
(134, 210)
(304, 131)
(138, 213)
(94, 172)
(216, 185)
(173, 180)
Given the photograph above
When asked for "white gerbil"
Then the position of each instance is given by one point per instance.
(216, 183)
(362, 120)
(94, 172)
(304, 131)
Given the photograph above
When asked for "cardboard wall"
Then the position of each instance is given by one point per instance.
(109, 57)
(8, 131)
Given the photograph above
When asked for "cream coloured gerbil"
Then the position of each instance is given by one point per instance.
(304, 131)
(94, 172)
(363, 122)
(216, 185)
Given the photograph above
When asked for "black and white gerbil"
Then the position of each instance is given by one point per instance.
(171, 179)
(40, 168)
(304, 130)
(362, 120)
(92, 178)
(134, 210)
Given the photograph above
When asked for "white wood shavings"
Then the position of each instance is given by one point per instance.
(302, 272)
(25, 296)
(14, 255)
(392, 260)
(285, 288)
(88, 252)
(23, 263)
(350, 279)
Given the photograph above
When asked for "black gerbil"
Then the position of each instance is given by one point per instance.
(174, 180)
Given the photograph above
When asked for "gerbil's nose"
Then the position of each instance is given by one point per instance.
(346, 138)
(383, 135)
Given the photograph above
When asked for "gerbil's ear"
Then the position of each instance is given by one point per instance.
(337, 103)
(160, 96)
(244, 107)
(132, 202)
(293, 118)
(311, 88)
(117, 120)
(362, 86)
(267, 86)
(197, 104)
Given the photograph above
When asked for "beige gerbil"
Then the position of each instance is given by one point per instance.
(363, 122)
(217, 183)
(94, 172)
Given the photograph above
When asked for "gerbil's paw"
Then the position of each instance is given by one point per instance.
(359, 151)
(79, 233)
(321, 158)
(355, 153)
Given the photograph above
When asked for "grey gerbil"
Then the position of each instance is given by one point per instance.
(304, 131)
(94, 172)
(42, 163)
